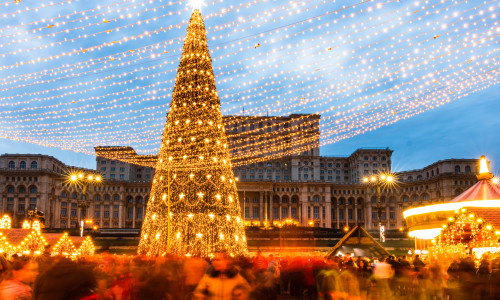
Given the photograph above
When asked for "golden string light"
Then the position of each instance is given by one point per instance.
(198, 213)
(297, 90)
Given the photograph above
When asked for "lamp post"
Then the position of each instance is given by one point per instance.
(82, 180)
(382, 181)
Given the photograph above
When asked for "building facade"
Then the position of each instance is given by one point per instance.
(300, 187)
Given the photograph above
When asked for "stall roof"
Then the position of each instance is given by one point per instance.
(359, 242)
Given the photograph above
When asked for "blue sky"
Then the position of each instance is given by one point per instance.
(418, 77)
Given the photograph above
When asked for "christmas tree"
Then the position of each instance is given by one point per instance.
(193, 207)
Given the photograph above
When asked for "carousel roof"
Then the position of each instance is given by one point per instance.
(491, 215)
(483, 190)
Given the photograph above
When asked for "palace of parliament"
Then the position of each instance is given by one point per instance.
(300, 187)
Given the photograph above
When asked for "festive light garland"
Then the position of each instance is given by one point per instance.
(371, 64)
(194, 208)
(5, 222)
(464, 233)
(64, 247)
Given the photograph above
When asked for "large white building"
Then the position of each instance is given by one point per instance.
(301, 187)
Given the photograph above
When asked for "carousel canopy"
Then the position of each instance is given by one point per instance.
(483, 190)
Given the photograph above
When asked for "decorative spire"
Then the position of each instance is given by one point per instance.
(484, 169)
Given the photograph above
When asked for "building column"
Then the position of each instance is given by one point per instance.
(399, 216)
(133, 215)
(120, 216)
(262, 210)
(369, 220)
(346, 214)
(338, 216)
(328, 208)
(355, 213)
(303, 205)
(101, 216)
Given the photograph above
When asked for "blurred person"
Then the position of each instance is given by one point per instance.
(240, 292)
(66, 280)
(263, 293)
(495, 277)
(4, 267)
(121, 287)
(219, 281)
(418, 263)
(383, 273)
(16, 284)
(467, 278)
(453, 282)
(363, 274)
(327, 282)
(348, 283)
(435, 282)
(273, 274)
(193, 270)
(402, 276)
(483, 276)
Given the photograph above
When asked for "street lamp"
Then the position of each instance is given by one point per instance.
(80, 179)
(382, 181)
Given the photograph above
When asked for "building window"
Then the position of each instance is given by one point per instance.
(10, 190)
(130, 213)
(22, 165)
(349, 214)
(284, 212)
(316, 212)
(33, 190)
(34, 165)
(359, 217)
(467, 169)
(106, 213)
(97, 214)
(457, 169)
(139, 213)
(247, 212)
(73, 212)
(255, 212)
(63, 212)
(392, 215)
(294, 213)
(374, 216)
(275, 213)
(12, 165)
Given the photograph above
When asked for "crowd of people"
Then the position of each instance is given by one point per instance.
(120, 277)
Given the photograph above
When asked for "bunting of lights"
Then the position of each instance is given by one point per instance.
(466, 233)
(5, 222)
(194, 208)
(33, 244)
(64, 247)
(77, 76)
(87, 248)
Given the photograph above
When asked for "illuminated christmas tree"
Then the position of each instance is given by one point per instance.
(193, 207)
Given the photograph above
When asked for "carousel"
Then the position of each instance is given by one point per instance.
(468, 224)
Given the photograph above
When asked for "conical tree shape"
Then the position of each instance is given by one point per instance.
(194, 181)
